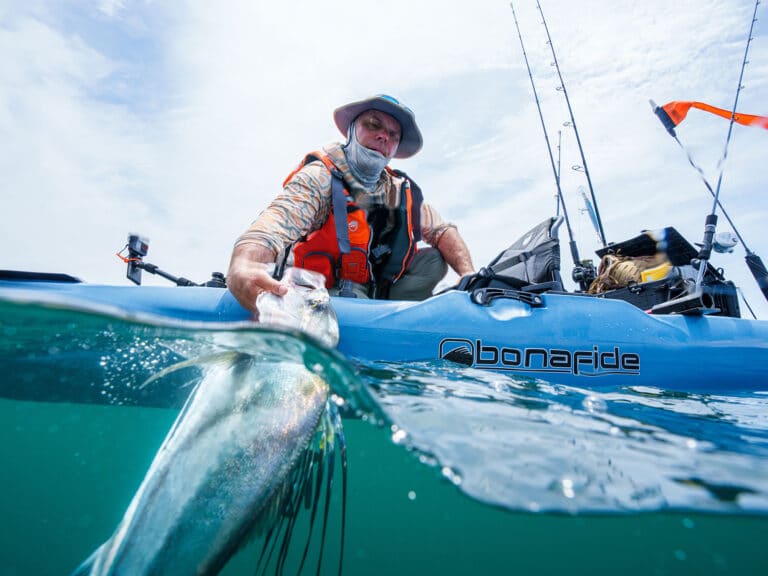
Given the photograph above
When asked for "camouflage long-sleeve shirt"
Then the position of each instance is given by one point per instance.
(305, 203)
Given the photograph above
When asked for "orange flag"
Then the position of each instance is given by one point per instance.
(678, 110)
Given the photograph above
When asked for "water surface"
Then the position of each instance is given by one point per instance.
(451, 470)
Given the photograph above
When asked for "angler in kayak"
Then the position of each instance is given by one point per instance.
(346, 214)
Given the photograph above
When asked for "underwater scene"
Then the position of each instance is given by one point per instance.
(380, 468)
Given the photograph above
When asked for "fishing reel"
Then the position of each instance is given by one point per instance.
(138, 247)
(724, 242)
(584, 274)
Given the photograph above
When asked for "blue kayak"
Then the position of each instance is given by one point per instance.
(563, 338)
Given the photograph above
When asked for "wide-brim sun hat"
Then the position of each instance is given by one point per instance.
(410, 139)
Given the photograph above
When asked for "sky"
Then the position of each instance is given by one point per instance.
(179, 120)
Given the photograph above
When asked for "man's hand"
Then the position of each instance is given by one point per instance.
(249, 275)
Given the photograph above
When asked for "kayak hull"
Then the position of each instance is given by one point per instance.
(564, 338)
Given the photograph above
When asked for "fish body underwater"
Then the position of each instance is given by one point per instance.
(224, 469)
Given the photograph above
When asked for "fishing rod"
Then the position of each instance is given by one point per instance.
(559, 170)
(561, 88)
(753, 261)
(670, 126)
(581, 274)
(710, 224)
(721, 163)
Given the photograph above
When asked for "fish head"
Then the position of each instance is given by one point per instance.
(306, 307)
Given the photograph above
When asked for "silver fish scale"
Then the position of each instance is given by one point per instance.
(218, 470)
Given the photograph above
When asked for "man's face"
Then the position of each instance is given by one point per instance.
(378, 131)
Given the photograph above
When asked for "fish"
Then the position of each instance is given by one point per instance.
(237, 458)
(256, 437)
(305, 307)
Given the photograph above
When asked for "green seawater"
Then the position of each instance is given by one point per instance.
(463, 471)
(69, 471)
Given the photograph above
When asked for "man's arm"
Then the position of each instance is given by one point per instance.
(455, 252)
(304, 200)
(446, 238)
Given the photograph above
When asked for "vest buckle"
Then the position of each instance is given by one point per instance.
(345, 289)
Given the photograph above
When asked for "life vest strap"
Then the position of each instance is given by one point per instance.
(339, 201)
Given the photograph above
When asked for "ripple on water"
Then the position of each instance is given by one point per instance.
(530, 445)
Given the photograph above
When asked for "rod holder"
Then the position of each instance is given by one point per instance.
(696, 304)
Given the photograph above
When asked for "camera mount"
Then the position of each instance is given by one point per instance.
(138, 247)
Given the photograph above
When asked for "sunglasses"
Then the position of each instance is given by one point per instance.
(372, 123)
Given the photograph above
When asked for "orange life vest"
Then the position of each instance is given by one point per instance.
(348, 247)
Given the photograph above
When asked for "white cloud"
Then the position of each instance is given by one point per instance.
(180, 120)
(111, 7)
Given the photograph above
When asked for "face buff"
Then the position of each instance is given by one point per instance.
(365, 164)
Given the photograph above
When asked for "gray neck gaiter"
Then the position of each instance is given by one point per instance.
(365, 164)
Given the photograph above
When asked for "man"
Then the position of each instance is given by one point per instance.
(349, 216)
